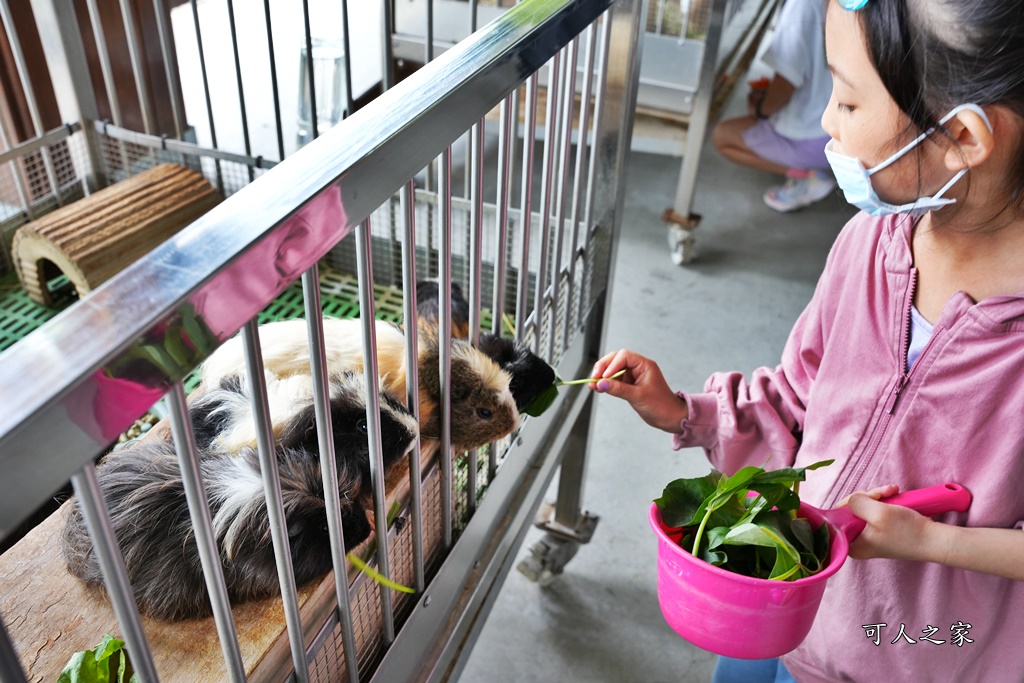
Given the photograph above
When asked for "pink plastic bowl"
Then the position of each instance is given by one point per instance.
(747, 618)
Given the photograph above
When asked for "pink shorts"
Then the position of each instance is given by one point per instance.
(765, 142)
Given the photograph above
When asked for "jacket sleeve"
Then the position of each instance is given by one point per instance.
(740, 421)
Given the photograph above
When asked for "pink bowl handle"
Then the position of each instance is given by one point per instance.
(934, 500)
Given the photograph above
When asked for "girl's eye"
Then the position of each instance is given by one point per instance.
(361, 426)
(847, 108)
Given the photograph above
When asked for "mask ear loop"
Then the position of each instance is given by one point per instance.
(916, 141)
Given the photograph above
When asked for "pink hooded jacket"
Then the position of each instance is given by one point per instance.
(842, 392)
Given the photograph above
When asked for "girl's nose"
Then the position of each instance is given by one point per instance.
(828, 118)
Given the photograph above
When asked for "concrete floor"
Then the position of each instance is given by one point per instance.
(732, 309)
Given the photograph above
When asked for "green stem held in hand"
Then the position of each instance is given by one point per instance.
(591, 380)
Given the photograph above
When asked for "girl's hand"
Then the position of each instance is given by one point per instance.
(642, 386)
(892, 531)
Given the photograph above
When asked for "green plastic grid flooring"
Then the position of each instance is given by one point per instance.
(20, 316)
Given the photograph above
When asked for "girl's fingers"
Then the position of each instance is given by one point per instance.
(613, 363)
(876, 493)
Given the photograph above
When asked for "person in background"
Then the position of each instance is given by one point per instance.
(905, 367)
(782, 132)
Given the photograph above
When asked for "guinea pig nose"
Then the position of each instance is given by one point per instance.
(484, 413)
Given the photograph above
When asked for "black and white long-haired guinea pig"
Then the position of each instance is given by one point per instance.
(529, 374)
(482, 407)
(222, 419)
(146, 498)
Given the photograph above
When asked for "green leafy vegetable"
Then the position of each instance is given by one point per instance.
(94, 666)
(719, 520)
(545, 398)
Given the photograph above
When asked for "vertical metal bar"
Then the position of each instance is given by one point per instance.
(475, 267)
(578, 191)
(272, 492)
(202, 525)
(328, 463)
(701, 112)
(19, 180)
(501, 227)
(108, 77)
(97, 520)
(599, 100)
(661, 15)
(10, 667)
(364, 269)
(275, 93)
(30, 95)
(206, 92)
(545, 204)
(310, 72)
(135, 56)
(412, 376)
(569, 84)
(241, 89)
(526, 205)
(105, 66)
(76, 64)
(473, 15)
(444, 196)
(348, 58)
(177, 109)
(428, 42)
(388, 27)
(513, 133)
(476, 218)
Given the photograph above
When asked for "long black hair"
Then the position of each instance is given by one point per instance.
(933, 55)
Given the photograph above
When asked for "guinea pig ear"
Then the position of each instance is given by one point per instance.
(502, 351)
(462, 390)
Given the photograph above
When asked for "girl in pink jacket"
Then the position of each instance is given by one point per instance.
(907, 366)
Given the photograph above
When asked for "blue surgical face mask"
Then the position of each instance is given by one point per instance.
(855, 180)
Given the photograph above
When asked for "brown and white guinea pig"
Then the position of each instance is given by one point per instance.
(222, 419)
(530, 375)
(146, 497)
(482, 407)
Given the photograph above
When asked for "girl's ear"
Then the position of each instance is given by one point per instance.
(974, 140)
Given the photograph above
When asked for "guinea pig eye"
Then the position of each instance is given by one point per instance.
(361, 426)
(484, 413)
(295, 527)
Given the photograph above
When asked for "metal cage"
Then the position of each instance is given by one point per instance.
(369, 206)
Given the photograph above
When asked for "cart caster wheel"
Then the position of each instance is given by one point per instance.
(682, 244)
(547, 559)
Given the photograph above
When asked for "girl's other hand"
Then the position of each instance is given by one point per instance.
(892, 531)
(642, 386)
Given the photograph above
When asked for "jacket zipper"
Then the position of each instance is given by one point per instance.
(902, 377)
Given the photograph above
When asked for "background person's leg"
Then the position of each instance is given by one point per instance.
(728, 139)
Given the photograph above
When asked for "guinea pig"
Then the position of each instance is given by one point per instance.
(530, 375)
(146, 497)
(482, 407)
(428, 307)
(222, 418)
